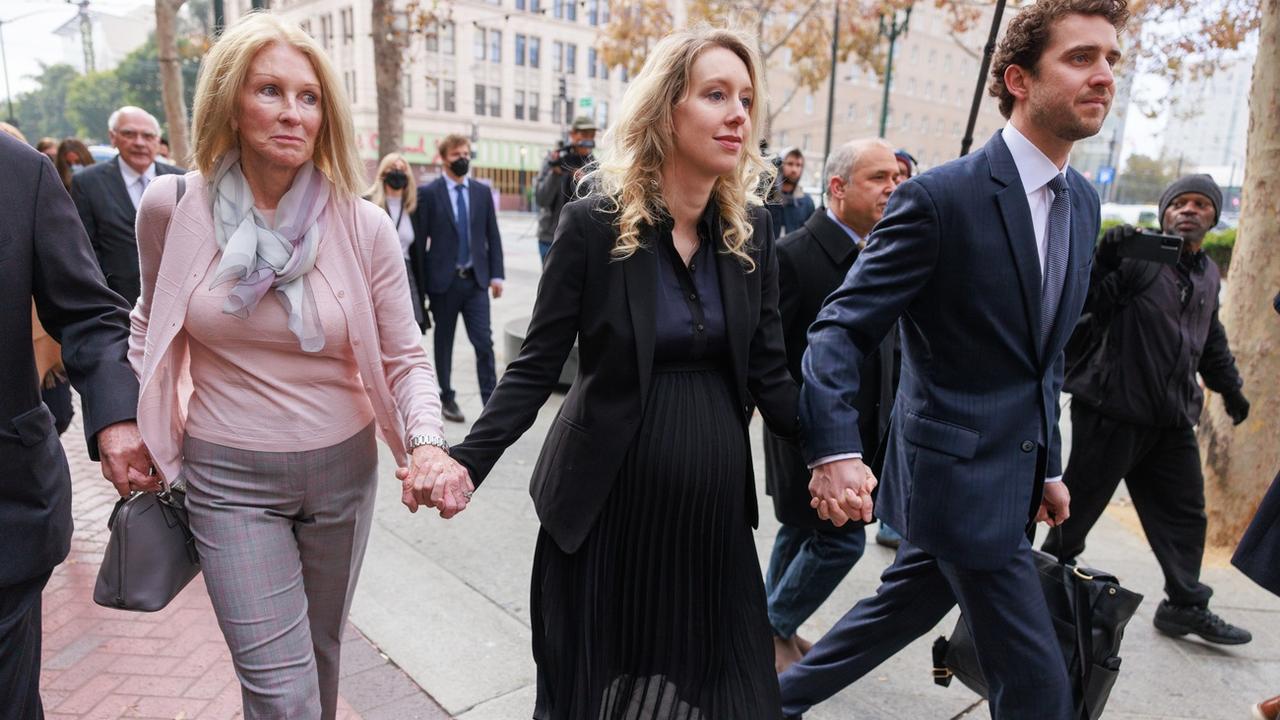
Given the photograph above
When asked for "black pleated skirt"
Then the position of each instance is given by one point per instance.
(660, 615)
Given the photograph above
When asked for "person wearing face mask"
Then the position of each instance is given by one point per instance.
(70, 159)
(393, 192)
(462, 250)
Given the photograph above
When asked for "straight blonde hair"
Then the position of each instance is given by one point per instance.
(629, 172)
(377, 192)
(222, 77)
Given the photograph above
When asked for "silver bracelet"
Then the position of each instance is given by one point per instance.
(417, 441)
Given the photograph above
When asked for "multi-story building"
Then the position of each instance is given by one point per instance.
(503, 72)
(1208, 122)
(935, 73)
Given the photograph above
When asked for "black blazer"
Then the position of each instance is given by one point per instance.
(45, 256)
(812, 262)
(434, 219)
(108, 217)
(609, 307)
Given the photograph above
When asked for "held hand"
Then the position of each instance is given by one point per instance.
(125, 462)
(1055, 506)
(841, 491)
(436, 480)
(496, 287)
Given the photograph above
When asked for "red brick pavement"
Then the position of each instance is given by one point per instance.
(104, 664)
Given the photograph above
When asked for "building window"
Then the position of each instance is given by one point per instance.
(535, 6)
(348, 26)
(804, 143)
(808, 104)
(602, 114)
(495, 46)
(482, 107)
(782, 138)
(559, 106)
(520, 49)
(349, 83)
(495, 101)
(535, 52)
(433, 94)
(851, 112)
(478, 44)
(306, 27)
(591, 62)
(593, 12)
(557, 8)
(518, 107)
(571, 59)
(449, 38)
(407, 82)
(571, 10)
(441, 38)
(533, 106)
(326, 32)
(450, 96)
(520, 4)
(557, 60)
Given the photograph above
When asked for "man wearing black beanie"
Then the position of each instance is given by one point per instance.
(1136, 400)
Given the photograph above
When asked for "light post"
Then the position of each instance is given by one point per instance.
(892, 30)
(987, 52)
(524, 190)
(831, 99)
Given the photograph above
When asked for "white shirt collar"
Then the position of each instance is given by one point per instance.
(853, 234)
(464, 182)
(131, 176)
(1035, 169)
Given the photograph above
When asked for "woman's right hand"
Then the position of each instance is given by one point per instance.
(435, 480)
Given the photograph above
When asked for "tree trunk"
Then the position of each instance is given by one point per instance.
(1239, 462)
(388, 59)
(175, 104)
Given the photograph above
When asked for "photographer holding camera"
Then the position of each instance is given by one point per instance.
(559, 177)
(1152, 327)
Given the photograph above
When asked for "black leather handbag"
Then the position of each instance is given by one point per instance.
(1089, 611)
(151, 555)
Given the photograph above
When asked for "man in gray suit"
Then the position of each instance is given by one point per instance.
(107, 196)
(45, 256)
(983, 263)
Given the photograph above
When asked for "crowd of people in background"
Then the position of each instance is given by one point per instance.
(249, 328)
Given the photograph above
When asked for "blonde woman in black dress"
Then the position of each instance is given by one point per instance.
(647, 598)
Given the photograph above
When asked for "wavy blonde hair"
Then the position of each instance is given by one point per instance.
(222, 76)
(628, 174)
(377, 192)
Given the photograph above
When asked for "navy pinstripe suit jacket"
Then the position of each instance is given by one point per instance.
(974, 428)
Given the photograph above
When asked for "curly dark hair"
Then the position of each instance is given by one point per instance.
(1028, 34)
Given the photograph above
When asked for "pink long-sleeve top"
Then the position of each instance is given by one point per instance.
(193, 379)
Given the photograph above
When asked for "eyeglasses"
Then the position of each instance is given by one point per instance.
(135, 134)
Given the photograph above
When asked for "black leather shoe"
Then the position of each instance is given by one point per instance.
(452, 412)
(1179, 620)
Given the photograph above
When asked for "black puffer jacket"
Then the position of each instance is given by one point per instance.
(1145, 370)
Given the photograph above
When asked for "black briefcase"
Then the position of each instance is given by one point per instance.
(1089, 611)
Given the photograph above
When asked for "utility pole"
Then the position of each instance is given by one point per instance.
(86, 34)
(831, 101)
(987, 51)
(892, 30)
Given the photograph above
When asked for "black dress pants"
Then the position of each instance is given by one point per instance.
(20, 650)
(1161, 467)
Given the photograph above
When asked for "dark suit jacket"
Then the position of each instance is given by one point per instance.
(812, 262)
(45, 255)
(975, 430)
(609, 307)
(434, 218)
(108, 217)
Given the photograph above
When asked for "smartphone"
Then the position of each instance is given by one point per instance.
(1151, 245)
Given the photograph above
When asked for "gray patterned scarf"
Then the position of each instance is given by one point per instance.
(257, 257)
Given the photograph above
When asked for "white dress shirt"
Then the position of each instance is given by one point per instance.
(136, 182)
(1036, 170)
(853, 234)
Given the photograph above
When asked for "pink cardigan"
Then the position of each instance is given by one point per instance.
(367, 275)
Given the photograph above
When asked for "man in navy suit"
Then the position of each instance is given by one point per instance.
(463, 254)
(984, 264)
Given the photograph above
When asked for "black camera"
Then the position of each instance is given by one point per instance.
(570, 159)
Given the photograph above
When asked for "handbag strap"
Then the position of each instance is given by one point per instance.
(1077, 595)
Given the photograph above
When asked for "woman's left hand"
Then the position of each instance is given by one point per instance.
(435, 480)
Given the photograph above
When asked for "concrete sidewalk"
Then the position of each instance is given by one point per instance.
(466, 581)
(102, 664)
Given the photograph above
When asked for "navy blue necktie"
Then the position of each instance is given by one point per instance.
(1058, 246)
(464, 229)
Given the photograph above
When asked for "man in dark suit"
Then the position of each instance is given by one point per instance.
(107, 196)
(810, 555)
(983, 263)
(463, 265)
(45, 256)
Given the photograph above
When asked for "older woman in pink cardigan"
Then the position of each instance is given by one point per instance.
(273, 335)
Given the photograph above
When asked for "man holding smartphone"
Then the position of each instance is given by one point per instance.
(1136, 399)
